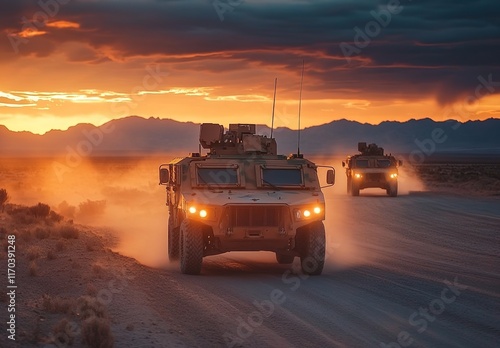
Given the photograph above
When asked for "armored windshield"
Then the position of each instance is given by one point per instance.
(362, 163)
(217, 176)
(282, 177)
(383, 163)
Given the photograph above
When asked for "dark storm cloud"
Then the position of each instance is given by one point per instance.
(426, 47)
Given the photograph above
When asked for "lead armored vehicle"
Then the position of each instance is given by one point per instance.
(371, 168)
(243, 196)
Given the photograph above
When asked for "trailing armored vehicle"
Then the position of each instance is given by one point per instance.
(243, 196)
(371, 168)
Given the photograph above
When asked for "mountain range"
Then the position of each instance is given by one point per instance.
(140, 136)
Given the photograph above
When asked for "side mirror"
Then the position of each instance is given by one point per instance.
(164, 176)
(400, 163)
(343, 164)
(330, 177)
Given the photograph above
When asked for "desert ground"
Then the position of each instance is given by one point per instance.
(419, 270)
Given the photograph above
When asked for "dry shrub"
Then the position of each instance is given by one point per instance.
(89, 209)
(26, 235)
(9, 208)
(64, 333)
(91, 307)
(55, 217)
(4, 198)
(66, 210)
(96, 332)
(69, 232)
(30, 215)
(33, 269)
(40, 211)
(42, 233)
(25, 219)
(57, 304)
(33, 253)
(22, 215)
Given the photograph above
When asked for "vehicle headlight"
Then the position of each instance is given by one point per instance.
(358, 176)
(201, 212)
(394, 175)
(308, 212)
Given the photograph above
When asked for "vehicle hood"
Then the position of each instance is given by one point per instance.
(375, 170)
(224, 197)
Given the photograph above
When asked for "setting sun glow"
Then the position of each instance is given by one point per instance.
(83, 62)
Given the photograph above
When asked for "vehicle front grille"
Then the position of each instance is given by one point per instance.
(375, 176)
(255, 216)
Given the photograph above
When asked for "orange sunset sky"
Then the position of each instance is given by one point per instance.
(65, 62)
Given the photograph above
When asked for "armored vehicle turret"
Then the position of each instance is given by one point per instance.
(243, 196)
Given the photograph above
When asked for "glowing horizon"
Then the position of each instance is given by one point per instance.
(185, 62)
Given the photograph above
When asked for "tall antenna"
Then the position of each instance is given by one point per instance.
(274, 104)
(300, 107)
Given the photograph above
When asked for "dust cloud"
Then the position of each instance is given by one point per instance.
(408, 181)
(118, 195)
(342, 250)
(121, 195)
(343, 225)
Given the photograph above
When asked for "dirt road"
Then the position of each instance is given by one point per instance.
(420, 270)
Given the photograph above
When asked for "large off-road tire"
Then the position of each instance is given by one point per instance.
(393, 190)
(284, 259)
(191, 247)
(354, 188)
(173, 240)
(312, 256)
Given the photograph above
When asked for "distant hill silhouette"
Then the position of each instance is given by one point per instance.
(137, 135)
